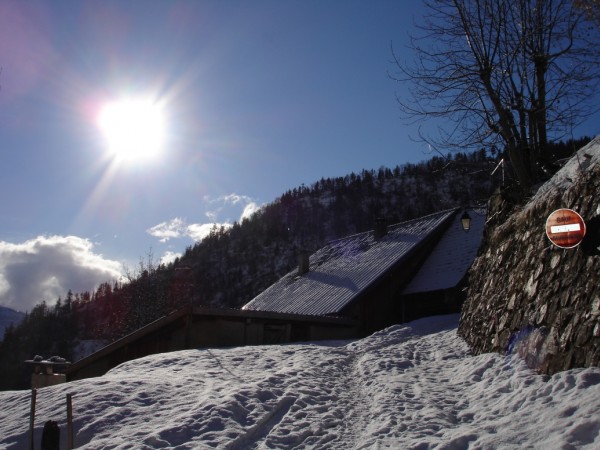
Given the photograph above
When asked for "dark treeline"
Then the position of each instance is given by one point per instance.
(231, 266)
(52, 329)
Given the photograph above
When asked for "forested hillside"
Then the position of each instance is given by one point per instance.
(231, 266)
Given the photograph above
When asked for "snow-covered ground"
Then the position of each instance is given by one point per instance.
(411, 386)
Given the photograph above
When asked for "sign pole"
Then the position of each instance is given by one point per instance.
(69, 422)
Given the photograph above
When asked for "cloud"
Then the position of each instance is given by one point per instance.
(212, 215)
(46, 267)
(169, 257)
(167, 230)
(226, 202)
(234, 199)
(199, 231)
(220, 208)
(249, 210)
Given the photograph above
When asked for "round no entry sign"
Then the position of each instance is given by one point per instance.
(565, 228)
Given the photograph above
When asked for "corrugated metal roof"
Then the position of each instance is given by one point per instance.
(452, 256)
(342, 269)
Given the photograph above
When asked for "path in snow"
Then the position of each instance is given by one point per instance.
(413, 386)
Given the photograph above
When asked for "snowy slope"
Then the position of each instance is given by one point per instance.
(407, 387)
(581, 165)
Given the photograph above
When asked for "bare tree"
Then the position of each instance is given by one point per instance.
(591, 9)
(502, 73)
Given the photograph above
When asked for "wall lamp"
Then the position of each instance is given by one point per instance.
(465, 221)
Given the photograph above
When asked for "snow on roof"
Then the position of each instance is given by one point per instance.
(452, 257)
(341, 270)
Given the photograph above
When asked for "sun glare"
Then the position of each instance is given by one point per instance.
(134, 129)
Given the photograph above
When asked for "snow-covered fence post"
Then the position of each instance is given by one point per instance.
(32, 418)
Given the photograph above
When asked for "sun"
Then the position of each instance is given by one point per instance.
(133, 128)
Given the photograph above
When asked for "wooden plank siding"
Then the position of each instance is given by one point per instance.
(211, 328)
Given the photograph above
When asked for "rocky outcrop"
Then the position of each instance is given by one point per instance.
(528, 296)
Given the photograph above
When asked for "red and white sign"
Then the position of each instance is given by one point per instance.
(565, 228)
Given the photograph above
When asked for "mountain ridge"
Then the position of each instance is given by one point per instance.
(8, 317)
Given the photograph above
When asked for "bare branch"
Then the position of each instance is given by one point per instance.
(492, 71)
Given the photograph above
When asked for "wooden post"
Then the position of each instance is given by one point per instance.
(69, 422)
(32, 417)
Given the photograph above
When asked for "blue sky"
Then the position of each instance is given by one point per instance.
(258, 97)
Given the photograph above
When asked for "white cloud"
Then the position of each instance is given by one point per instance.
(213, 215)
(198, 231)
(250, 209)
(221, 210)
(234, 199)
(226, 202)
(46, 267)
(169, 257)
(168, 230)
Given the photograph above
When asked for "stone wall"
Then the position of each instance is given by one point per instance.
(528, 296)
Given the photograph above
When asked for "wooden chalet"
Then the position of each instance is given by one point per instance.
(390, 275)
(190, 328)
(349, 288)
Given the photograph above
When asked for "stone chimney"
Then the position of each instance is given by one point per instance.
(303, 262)
(380, 228)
